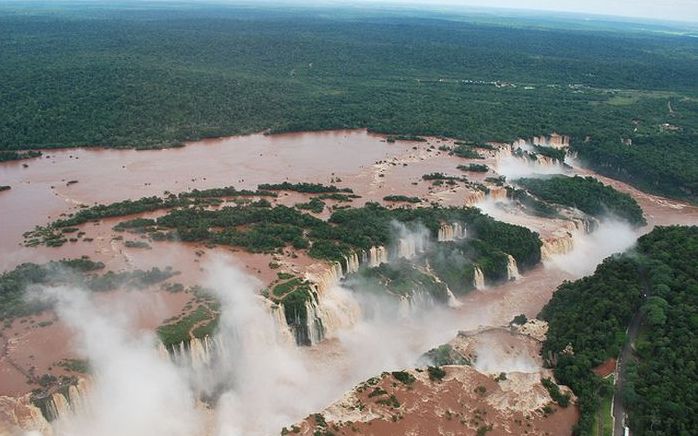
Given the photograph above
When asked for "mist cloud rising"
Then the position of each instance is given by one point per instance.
(133, 390)
(495, 357)
(610, 237)
(513, 167)
(260, 381)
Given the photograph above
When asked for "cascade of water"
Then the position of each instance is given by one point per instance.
(284, 332)
(376, 256)
(352, 262)
(474, 197)
(414, 302)
(512, 268)
(410, 245)
(555, 246)
(478, 278)
(452, 300)
(497, 193)
(315, 328)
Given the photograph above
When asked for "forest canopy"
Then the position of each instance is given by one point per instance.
(160, 76)
(588, 318)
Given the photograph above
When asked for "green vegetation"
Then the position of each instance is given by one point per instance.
(532, 205)
(445, 355)
(8, 155)
(315, 205)
(554, 390)
(436, 373)
(466, 151)
(13, 284)
(391, 401)
(473, 167)
(520, 319)
(200, 322)
(586, 194)
(403, 377)
(308, 188)
(554, 153)
(401, 278)
(78, 272)
(603, 420)
(137, 244)
(75, 365)
(284, 288)
(338, 197)
(393, 138)
(185, 73)
(402, 198)
(259, 227)
(588, 320)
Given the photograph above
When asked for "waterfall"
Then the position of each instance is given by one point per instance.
(414, 302)
(406, 248)
(77, 395)
(519, 143)
(557, 245)
(478, 278)
(505, 151)
(555, 140)
(451, 232)
(474, 197)
(20, 415)
(195, 353)
(200, 351)
(330, 308)
(512, 268)
(327, 315)
(352, 262)
(452, 300)
(326, 277)
(285, 335)
(497, 193)
(65, 401)
(376, 256)
(410, 242)
(315, 328)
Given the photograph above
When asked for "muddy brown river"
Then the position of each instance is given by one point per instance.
(365, 162)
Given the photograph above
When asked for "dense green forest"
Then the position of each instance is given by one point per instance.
(586, 194)
(157, 76)
(588, 321)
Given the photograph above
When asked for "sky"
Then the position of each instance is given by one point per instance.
(680, 10)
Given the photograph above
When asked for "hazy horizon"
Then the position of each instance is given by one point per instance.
(683, 11)
(670, 10)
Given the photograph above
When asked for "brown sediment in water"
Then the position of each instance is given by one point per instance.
(364, 162)
(34, 345)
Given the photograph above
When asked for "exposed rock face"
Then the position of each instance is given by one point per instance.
(535, 328)
(19, 415)
(459, 399)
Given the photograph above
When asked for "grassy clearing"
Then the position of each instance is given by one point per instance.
(603, 421)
